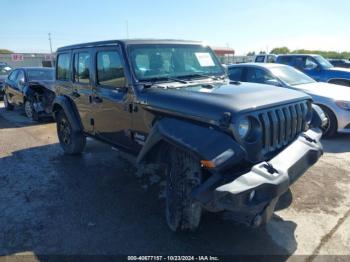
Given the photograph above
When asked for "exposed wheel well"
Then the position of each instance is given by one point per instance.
(339, 81)
(55, 109)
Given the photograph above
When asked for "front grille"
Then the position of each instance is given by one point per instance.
(283, 124)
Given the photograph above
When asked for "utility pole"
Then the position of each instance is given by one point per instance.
(50, 40)
(127, 29)
(50, 43)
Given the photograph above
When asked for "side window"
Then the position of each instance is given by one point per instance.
(13, 75)
(20, 76)
(82, 67)
(310, 64)
(110, 71)
(235, 74)
(63, 67)
(256, 75)
(287, 60)
(271, 59)
(260, 59)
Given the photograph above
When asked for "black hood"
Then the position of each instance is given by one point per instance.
(211, 101)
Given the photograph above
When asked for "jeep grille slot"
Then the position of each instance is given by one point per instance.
(282, 125)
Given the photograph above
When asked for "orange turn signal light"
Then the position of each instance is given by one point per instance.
(207, 164)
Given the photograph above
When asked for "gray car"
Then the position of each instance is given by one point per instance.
(334, 99)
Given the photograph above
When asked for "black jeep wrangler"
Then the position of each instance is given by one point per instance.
(225, 146)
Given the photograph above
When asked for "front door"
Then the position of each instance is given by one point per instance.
(111, 98)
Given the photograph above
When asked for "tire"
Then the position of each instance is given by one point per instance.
(72, 142)
(332, 127)
(8, 105)
(29, 110)
(183, 174)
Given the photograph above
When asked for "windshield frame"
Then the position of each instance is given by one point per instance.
(322, 62)
(291, 69)
(216, 61)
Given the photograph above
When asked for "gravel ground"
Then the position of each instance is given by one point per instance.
(98, 203)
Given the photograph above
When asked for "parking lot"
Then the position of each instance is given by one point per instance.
(98, 203)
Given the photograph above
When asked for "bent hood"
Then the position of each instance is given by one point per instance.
(203, 101)
(331, 91)
(48, 84)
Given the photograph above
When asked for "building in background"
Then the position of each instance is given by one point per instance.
(28, 60)
(225, 54)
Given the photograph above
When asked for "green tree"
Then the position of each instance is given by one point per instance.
(5, 51)
(252, 53)
(280, 50)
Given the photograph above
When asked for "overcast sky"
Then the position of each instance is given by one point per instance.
(249, 25)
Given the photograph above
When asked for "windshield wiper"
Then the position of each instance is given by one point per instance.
(214, 77)
(153, 80)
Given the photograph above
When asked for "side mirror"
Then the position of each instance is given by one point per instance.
(273, 82)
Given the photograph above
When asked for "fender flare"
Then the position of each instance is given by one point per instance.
(319, 118)
(204, 142)
(334, 79)
(65, 104)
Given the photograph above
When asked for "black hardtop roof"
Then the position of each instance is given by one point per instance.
(127, 42)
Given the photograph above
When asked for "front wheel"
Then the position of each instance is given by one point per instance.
(331, 127)
(72, 142)
(183, 213)
(29, 110)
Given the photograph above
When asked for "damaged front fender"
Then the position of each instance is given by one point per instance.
(205, 142)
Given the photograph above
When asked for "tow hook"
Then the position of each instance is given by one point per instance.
(270, 168)
(309, 138)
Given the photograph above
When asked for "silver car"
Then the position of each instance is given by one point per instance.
(333, 99)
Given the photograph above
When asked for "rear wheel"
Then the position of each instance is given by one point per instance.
(183, 213)
(8, 105)
(332, 126)
(72, 142)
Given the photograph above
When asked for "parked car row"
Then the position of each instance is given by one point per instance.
(333, 99)
(223, 145)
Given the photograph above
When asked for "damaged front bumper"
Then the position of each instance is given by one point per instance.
(251, 197)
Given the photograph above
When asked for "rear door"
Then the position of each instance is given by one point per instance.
(19, 86)
(111, 98)
(81, 91)
(10, 85)
(15, 87)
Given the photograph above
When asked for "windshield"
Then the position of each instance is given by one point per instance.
(173, 61)
(40, 74)
(5, 70)
(323, 62)
(291, 76)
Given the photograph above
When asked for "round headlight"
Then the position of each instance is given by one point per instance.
(243, 127)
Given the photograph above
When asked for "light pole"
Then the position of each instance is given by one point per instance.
(50, 41)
